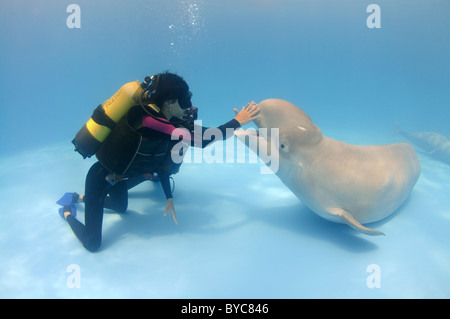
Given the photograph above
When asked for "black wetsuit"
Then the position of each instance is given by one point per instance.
(97, 188)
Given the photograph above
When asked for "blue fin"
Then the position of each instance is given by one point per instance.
(72, 208)
(68, 199)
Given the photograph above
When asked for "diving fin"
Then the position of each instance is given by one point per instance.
(68, 199)
(68, 208)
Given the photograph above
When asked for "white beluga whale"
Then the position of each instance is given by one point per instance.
(434, 144)
(340, 182)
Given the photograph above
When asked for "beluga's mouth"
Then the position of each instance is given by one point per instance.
(265, 147)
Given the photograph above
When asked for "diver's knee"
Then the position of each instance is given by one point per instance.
(122, 209)
(93, 246)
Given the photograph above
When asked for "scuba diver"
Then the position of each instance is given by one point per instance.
(132, 136)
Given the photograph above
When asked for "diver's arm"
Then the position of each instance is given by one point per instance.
(165, 184)
(247, 114)
(169, 206)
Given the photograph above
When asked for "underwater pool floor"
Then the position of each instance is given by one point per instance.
(240, 234)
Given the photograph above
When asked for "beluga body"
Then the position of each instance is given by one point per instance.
(341, 182)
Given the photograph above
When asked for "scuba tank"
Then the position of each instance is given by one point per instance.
(104, 118)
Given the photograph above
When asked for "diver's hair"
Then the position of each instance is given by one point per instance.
(169, 86)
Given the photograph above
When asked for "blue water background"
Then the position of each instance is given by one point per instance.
(354, 82)
(318, 54)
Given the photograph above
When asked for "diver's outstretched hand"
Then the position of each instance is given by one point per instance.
(248, 113)
(169, 206)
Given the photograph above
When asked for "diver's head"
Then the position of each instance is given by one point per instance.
(170, 93)
(172, 109)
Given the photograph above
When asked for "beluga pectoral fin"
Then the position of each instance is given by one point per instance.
(347, 218)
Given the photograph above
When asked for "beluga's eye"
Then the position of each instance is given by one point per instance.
(284, 146)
